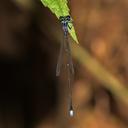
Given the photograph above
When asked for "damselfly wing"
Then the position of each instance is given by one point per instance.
(65, 46)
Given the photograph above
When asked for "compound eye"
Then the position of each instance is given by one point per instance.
(61, 18)
(68, 18)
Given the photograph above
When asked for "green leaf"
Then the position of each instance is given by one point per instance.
(60, 8)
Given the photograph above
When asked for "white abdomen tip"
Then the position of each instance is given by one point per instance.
(71, 113)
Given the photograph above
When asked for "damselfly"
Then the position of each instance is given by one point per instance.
(65, 20)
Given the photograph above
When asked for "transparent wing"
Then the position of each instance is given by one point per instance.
(69, 56)
(59, 63)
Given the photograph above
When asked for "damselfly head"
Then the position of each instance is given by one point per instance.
(65, 18)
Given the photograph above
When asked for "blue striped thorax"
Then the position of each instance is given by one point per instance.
(64, 21)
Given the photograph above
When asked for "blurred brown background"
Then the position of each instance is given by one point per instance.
(30, 94)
